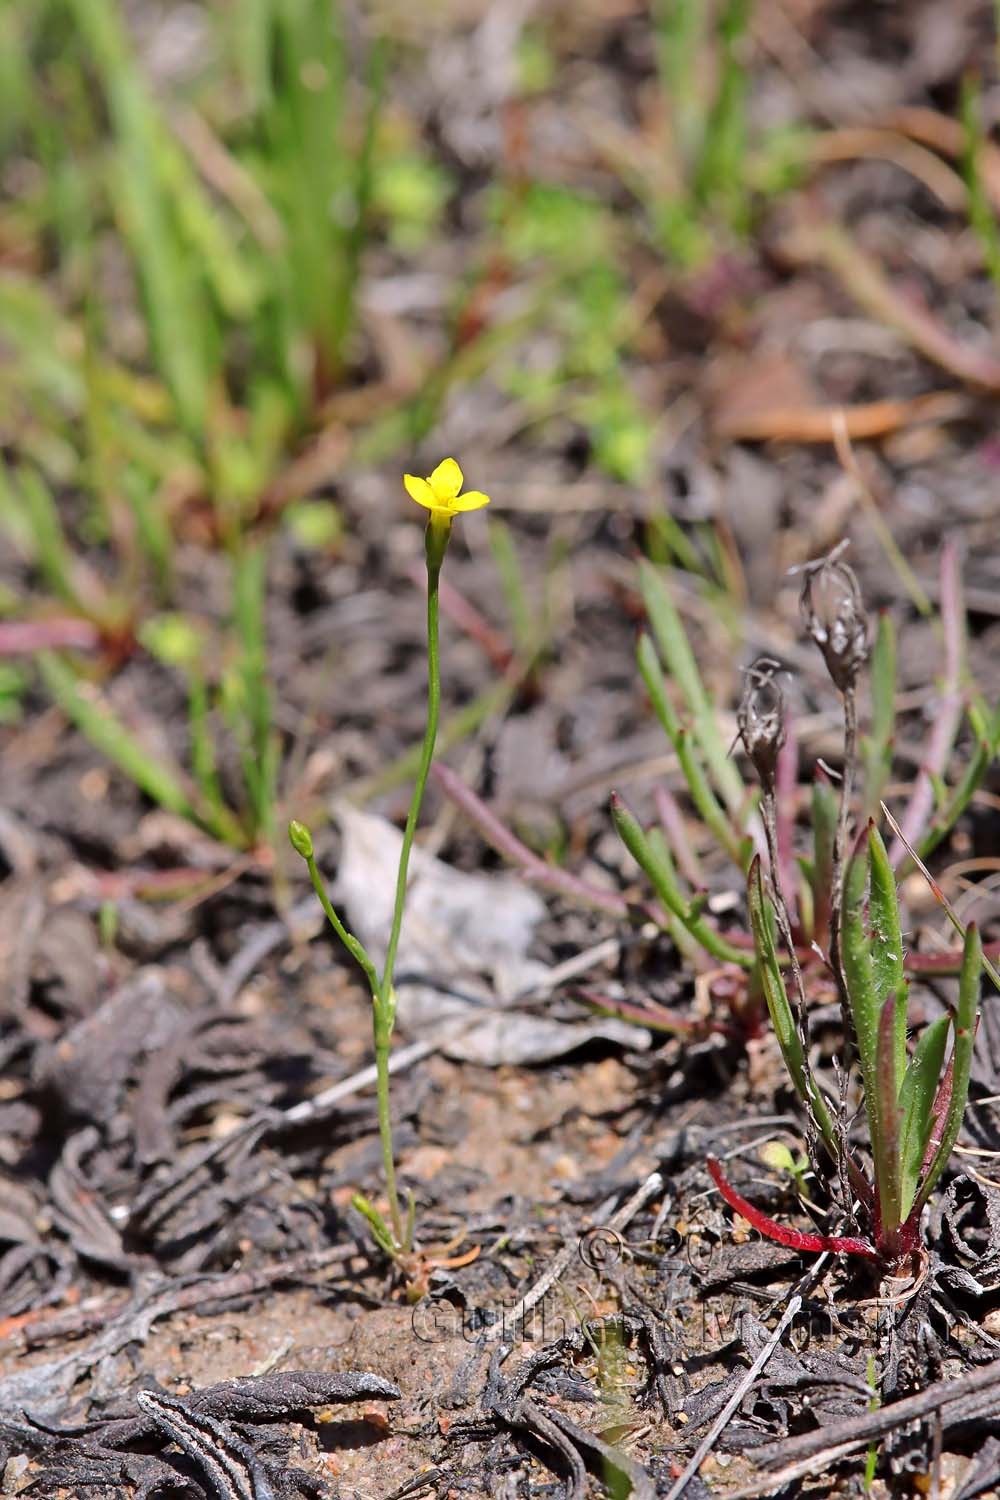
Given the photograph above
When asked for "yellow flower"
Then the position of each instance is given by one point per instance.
(440, 492)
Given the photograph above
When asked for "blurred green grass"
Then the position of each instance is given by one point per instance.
(180, 269)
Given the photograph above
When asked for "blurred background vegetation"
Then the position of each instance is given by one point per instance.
(246, 248)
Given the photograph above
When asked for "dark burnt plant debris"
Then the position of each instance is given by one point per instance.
(652, 270)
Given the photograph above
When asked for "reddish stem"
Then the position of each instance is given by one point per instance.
(795, 1239)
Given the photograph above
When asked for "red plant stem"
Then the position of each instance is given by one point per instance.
(672, 822)
(795, 1239)
(534, 870)
(22, 637)
(658, 1017)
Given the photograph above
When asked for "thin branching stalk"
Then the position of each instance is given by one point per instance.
(839, 847)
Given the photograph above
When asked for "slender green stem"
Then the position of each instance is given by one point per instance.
(437, 542)
(348, 939)
(385, 1014)
(383, 994)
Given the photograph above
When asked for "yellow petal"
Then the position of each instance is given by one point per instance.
(420, 491)
(471, 500)
(446, 481)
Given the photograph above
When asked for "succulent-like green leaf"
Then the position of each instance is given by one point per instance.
(887, 942)
(916, 1103)
(961, 1061)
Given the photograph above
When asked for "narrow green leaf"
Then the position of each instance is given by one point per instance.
(675, 649)
(52, 551)
(680, 933)
(971, 780)
(779, 1009)
(961, 1061)
(887, 942)
(825, 809)
(109, 735)
(112, 738)
(172, 285)
(855, 952)
(916, 1103)
(886, 1104)
(701, 791)
(878, 745)
(647, 854)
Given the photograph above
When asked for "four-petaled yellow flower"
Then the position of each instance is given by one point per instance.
(439, 492)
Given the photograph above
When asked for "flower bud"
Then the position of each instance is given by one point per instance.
(300, 839)
(834, 615)
(761, 718)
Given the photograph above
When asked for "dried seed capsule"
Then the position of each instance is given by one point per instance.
(834, 615)
(761, 718)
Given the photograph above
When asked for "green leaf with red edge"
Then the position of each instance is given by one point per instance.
(961, 1061)
(916, 1102)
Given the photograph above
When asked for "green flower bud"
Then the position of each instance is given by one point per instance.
(300, 839)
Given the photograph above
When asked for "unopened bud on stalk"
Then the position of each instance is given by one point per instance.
(834, 615)
(300, 839)
(761, 718)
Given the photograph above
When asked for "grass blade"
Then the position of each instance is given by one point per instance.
(698, 784)
(961, 1061)
(916, 1103)
(878, 745)
(648, 855)
(675, 651)
(109, 735)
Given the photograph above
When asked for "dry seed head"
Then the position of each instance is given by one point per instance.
(761, 718)
(834, 615)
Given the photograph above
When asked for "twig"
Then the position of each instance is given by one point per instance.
(961, 1400)
(507, 1320)
(708, 1442)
